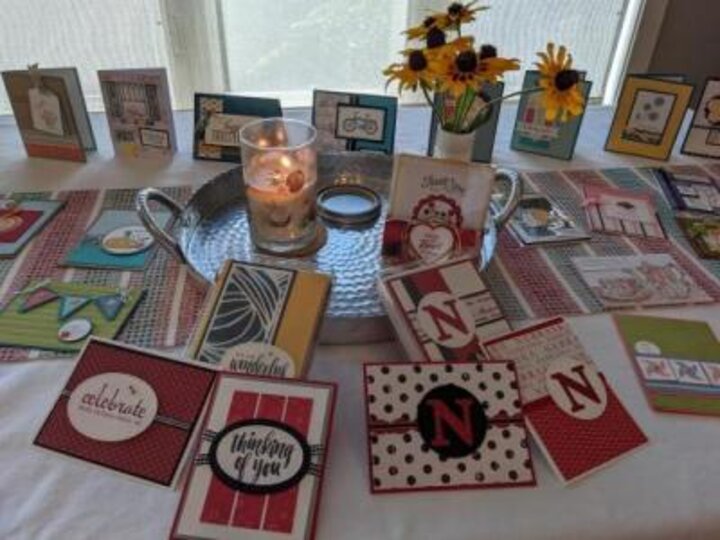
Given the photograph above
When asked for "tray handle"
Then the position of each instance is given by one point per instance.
(516, 191)
(165, 240)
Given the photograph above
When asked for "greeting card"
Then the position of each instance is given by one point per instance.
(50, 112)
(639, 280)
(346, 121)
(139, 113)
(648, 116)
(262, 320)
(219, 119)
(437, 207)
(534, 134)
(484, 138)
(703, 233)
(117, 240)
(621, 211)
(258, 469)
(442, 312)
(20, 221)
(60, 316)
(703, 137)
(128, 410)
(539, 220)
(677, 362)
(691, 192)
(571, 410)
(445, 427)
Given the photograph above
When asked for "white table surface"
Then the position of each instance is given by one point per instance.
(669, 490)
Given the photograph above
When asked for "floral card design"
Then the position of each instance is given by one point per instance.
(129, 411)
(703, 233)
(21, 221)
(259, 464)
(219, 119)
(572, 412)
(347, 121)
(262, 320)
(457, 426)
(443, 312)
(620, 211)
(639, 280)
(139, 112)
(676, 360)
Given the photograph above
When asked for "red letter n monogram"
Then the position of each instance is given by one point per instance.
(453, 319)
(572, 387)
(443, 416)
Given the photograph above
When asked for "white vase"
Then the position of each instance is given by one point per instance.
(449, 145)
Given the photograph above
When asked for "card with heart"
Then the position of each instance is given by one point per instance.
(442, 312)
(259, 464)
(572, 412)
(129, 411)
(452, 426)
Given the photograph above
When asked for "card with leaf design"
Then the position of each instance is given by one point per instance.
(258, 467)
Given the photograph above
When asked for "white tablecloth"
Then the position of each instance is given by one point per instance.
(668, 490)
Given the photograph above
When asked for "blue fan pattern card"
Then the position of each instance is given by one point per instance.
(116, 240)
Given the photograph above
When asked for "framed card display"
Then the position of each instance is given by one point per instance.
(703, 136)
(677, 362)
(648, 117)
(129, 411)
(262, 320)
(219, 119)
(21, 221)
(445, 427)
(50, 112)
(139, 112)
(484, 139)
(347, 121)
(534, 134)
(259, 463)
(572, 411)
(621, 211)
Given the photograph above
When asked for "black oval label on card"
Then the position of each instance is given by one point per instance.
(259, 456)
(451, 421)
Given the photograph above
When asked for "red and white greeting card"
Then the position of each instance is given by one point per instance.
(128, 410)
(571, 410)
(621, 211)
(442, 312)
(452, 426)
(259, 463)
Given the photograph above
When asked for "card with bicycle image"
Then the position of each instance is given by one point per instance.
(354, 121)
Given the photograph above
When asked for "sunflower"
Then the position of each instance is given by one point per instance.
(436, 20)
(492, 68)
(415, 70)
(561, 96)
(459, 13)
(451, 49)
(459, 72)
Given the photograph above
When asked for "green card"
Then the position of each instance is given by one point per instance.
(677, 362)
(38, 317)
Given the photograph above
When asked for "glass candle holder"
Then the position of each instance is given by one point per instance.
(280, 173)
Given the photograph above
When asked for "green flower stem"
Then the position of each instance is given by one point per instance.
(431, 101)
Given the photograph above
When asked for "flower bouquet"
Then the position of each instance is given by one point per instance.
(451, 66)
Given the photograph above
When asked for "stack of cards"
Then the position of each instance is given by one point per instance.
(677, 362)
(259, 465)
(262, 320)
(449, 426)
(621, 211)
(571, 410)
(129, 411)
(442, 312)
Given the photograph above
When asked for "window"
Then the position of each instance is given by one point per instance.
(286, 48)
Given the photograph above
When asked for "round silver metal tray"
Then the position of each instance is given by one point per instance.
(212, 227)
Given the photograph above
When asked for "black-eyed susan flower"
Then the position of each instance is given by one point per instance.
(492, 68)
(561, 96)
(459, 72)
(459, 13)
(436, 20)
(416, 70)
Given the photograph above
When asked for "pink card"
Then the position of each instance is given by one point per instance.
(453, 426)
(258, 467)
(621, 211)
(571, 410)
(442, 312)
(128, 410)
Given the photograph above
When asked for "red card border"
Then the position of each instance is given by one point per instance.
(332, 386)
(464, 487)
(190, 432)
